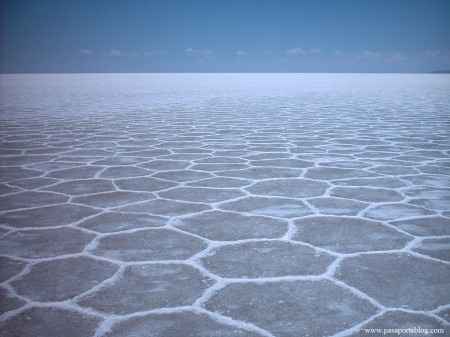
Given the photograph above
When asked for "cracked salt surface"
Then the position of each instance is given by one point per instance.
(223, 205)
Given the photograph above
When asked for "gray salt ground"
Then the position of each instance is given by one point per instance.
(238, 205)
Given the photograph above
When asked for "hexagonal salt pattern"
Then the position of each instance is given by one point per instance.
(9, 302)
(178, 324)
(61, 279)
(148, 245)
(379, 276)
(402, 323)
(348, 235)
(49, 322)
(259, 259)
(144, 287)
(212, 217)
(298, 308)
(42, 243)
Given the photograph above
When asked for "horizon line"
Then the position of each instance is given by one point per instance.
(444, 72)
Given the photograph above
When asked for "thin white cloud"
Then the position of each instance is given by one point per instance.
(296, 51)
(382, 56)
(198, 52)
(302, 51)
(396, 57)
(240, 53)
(115, 52)
(155, 52)
(433, 53)
(86, 52)
(370, 54)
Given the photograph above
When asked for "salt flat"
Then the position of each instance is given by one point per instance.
(184, 205)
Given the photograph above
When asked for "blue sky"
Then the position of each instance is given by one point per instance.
(224, 36)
